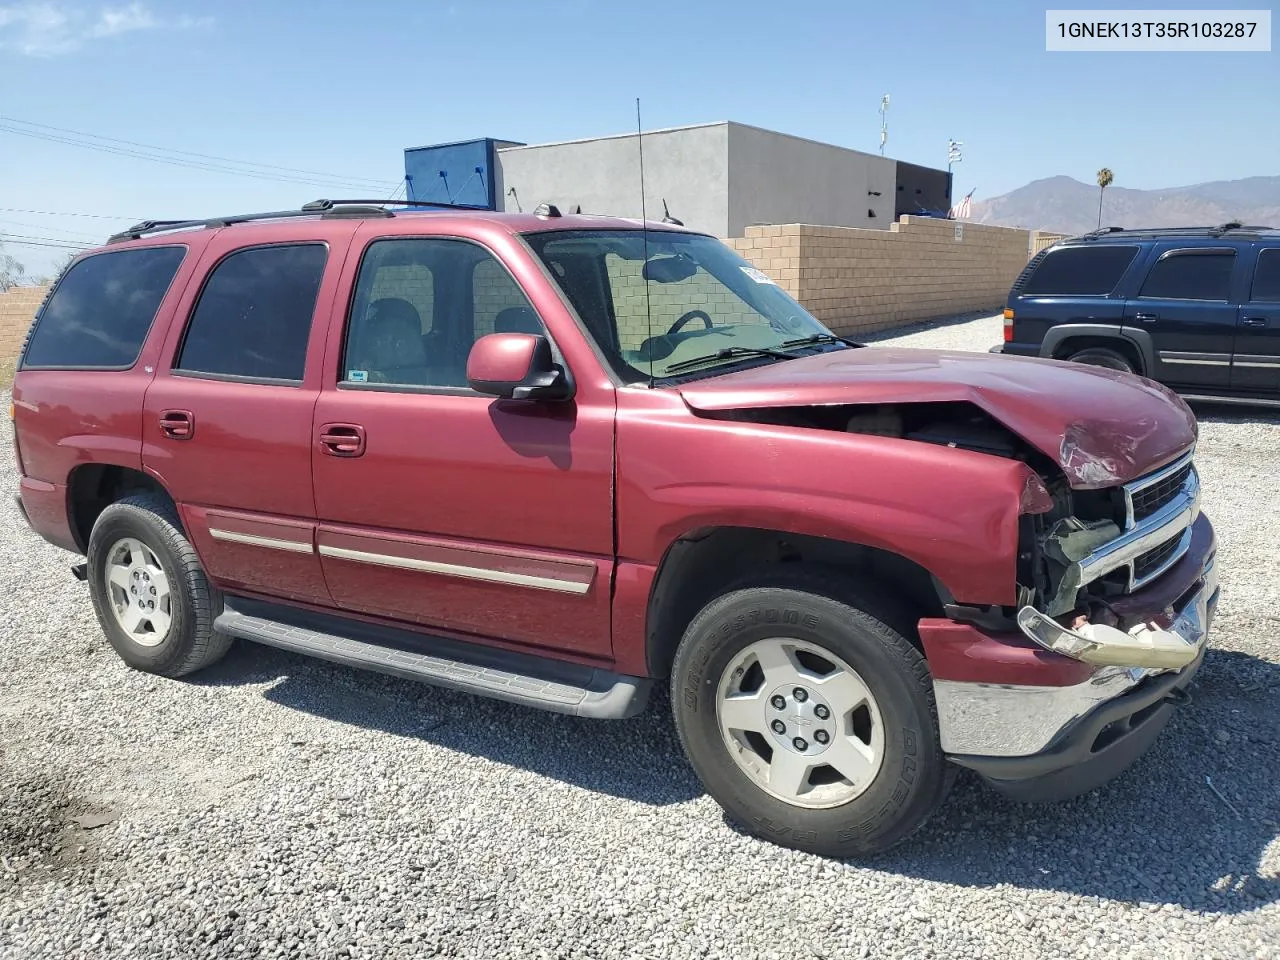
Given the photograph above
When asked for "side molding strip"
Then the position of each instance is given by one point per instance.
(253, 540)
(457, 570)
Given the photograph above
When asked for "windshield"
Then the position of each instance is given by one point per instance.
(693, 298)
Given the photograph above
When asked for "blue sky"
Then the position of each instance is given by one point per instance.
(341, 88)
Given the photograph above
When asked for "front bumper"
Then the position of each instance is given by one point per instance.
(1036, 741)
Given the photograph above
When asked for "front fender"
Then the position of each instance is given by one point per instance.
(951, 511)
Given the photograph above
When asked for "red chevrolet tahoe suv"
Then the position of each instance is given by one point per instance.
(554, 459)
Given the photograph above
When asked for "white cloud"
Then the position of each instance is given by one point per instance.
(44, 28)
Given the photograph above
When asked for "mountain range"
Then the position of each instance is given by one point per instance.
(1065, 205)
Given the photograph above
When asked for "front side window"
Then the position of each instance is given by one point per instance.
(419, 305)
(1079, 271)
(253, 318)
(1266, 277)
(102, 310)
(1191, 275)
(691, 307)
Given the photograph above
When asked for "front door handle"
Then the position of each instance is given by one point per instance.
(1254, 321)
(1148, 317)
(177, 424)
(342, 439)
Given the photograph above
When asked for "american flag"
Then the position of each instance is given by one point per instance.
(963, 209)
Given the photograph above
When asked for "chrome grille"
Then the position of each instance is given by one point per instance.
(1159, 511)
(1147, 500)
(1154, 560)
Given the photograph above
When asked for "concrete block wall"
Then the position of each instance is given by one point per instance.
(18, 306)
(638, 318)
(859, 280)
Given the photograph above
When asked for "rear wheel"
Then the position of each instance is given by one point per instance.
(149, 591)
(1103, 357)
(808, 718)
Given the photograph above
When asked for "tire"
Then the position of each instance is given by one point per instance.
(822, 623)
(1103, 357)
(140, 539)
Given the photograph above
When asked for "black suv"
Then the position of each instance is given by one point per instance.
(1197, 309)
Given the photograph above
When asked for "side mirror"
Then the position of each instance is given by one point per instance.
(516, 366)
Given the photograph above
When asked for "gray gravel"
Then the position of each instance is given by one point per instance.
(279, 806)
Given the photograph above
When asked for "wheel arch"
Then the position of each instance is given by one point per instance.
(1067, 338)
(702, 564)
(92, 487)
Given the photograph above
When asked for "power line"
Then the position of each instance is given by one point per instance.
(37, 243)
(6, 237)
(178, 162)
(48, 229)
(66, 213)
(170, 161)
(345, 180)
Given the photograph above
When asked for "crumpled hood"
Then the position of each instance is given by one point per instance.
(1103, 427)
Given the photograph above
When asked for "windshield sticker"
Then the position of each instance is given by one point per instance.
(358, 376)
(758, 276)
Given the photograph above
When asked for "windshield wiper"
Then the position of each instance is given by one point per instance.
(818, 338)
(728, 353)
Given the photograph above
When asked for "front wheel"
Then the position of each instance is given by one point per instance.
(809, 719)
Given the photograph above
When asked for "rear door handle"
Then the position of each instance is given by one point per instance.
(1254, 321)
(342, 439)
(177, 424)
(1148, 317)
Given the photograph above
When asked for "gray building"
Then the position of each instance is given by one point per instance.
(716, 177)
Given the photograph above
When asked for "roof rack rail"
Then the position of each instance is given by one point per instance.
(322, 205)
(1236, 229)
(1101, 232)
(330, 208)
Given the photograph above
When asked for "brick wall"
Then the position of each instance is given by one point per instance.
(668, 302)
(858, 280)
(17, 307)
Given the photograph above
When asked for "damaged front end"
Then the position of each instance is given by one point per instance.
(1087, 556)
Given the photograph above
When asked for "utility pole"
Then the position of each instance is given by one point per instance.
(884, 122)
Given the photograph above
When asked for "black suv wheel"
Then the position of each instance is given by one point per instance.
(1102, 357)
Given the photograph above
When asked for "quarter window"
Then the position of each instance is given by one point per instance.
(253, 319)
(1080, 271)
(102, 309)
(1266, 277)
(1191, 275)
(419, 305)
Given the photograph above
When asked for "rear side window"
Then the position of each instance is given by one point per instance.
(1079, 271)
(1191, 275)
(253, 318)
(101, 311)
(1266, 277)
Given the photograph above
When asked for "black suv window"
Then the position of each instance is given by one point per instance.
(253, 318)
(99, 315)
(1197, 274)
(1079, 271)
(1266, 277)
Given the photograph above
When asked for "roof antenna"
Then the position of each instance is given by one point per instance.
(667, 217)
(644, 232)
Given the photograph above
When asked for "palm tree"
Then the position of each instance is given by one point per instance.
(1105, 179)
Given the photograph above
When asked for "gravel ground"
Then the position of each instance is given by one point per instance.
(280, 806)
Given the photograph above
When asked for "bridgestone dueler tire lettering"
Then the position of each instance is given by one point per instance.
(914, 777)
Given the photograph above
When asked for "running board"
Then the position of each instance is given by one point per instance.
(540, 682)
(1238, 401)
